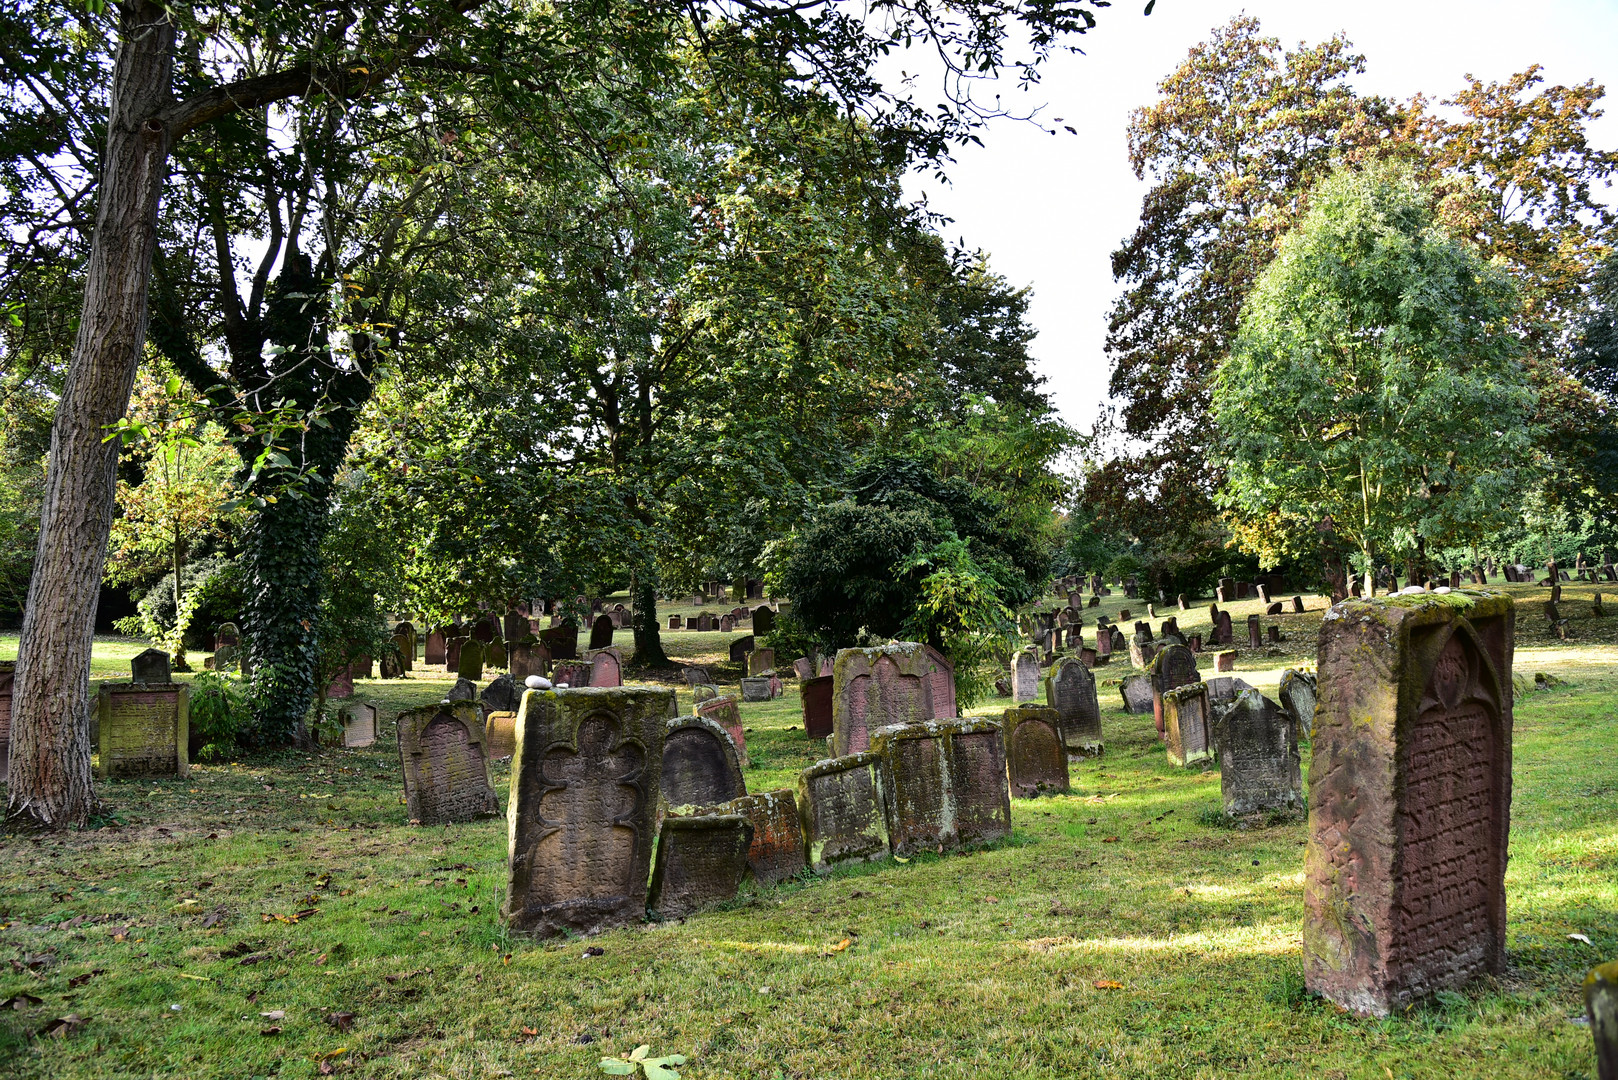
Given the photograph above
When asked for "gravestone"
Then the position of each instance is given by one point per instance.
(1225, 661)
(1274, 609)
(1297, 605)
(727, 713)
(1186, 725)
(1136, 690)
(757, 688)
(1194, 643)
(1025, 676)
(150, 666)
(529, 659)
(727, 624)
(606, 669)
(763, 620)
(437, 647)
(1036, 758)
(1174, 667)
(1274, 633)
(494, 653)
(562, 641)
(740, 648)
(446, 765)
(571, 673)
(804, 667)
(760, 661)
(1222, 631)
(693, 622)
(815, 697)
(1263, 592)
(877, 687)
(1222, 690)
(1226, 592)
(914, 764)
(700, 862)
(1087, 657)
(1297, 694)
(584, 796)
(470, 663)
(939, 677)
(1070, 689)
(1103, 645)
(143, 729)
(1409, 799)
(463, 690)
(500, 734)
(843, 811)
(1601, 1013)
(1258, 757)
(1141, 650)
(701, 764)
(674, 622)
(503, 694)
(358, 725)
(776, 853)
(514, 626)
(701, 692)
(1255, 632)
(1556, 594)
(696, 675)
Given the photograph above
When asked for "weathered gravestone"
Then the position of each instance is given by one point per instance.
(1222, 690)
(1070, 689)
(463, 690)
(1025, 676)
(1225, 660)
(843, 812)
(1226, 591)
(437, 647)
(1258, 757)
(944, 783)
(1255, 632)
(757, 688)
(776, 853)
(1141, 649)
(939, 676)
(804, 667)
(562, 641)
(470, 663)
(500, 734)
(727, 713)
(150, 666)
(529, 659)
(1136, 690)
(1172, 668)
(760, 661)
(1035, 757)
(1297, 605)
(601, 632)
(1297, 695)
(606, 669)
(740, 648)
(696, 675)
(727, 624)
(815, 696)
(1186, 725)
(503, 694)
(144, 730)
(358, 725)
(700, 862)
(763, 620)
(701, 765)
(446, 764)
(674, 622)
(1601, 1013)
(877, 687)
(1103, 645)
(584, 795)
(1409, 798)
(1222, 632)
(574, 674)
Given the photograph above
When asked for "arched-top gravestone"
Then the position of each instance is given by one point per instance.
(606, 669)
(740, 648)
(1025, 676)
(873, 688)
(700, 764)
(1070, 689)
(1174, 667)
(601, 632)
(446, 765)
(763, 620)
(1409, 798)
(1035, 756)
(585, 789)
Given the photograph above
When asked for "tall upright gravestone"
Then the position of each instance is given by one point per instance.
(1409, 798)
(1174, 667)
(1070, 689)
(1258, 757)
(1035, 757)
(873, 688)
(1025, 676)
(584, 794)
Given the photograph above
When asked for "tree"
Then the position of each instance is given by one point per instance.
(1373, 382)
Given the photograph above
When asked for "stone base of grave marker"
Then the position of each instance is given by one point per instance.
(700, 862)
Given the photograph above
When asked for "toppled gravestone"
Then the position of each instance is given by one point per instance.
(1409, 798)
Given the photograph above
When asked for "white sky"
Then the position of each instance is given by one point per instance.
(1049, 210)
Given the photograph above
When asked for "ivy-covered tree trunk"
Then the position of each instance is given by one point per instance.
(648, 635)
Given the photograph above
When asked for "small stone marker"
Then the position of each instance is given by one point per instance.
(1297, 605)
(761, 661)
(1185, 722)
(446, 764)
(815, 696)
(359, 725)
(1035, 755)
(875, 688)
(1136, 691)
(757, 688)
(1409, 798)
(470, 663)
(1297, 695)
(844, 814)
(1274, 609)
(1601, 1012)
(584, 795)
(1225, 661)
(150, 666)
(144, 730)
(606, 669)
(1070, 689)
(701, 763)
(1258, 757)
(1255, 632)
(700, 862)
(1025, 676)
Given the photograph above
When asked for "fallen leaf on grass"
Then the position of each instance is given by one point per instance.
(637, 1061)
(273, 1030)
(1580, 938)
(199, 978)
(900, 858)
(80, 980)
(1108, 984)
(21, 1001)
(63, 1026)
(1109, 839)
(342, 1021)
(274, 1014)
(186, 907)
(991, 899)
(839, 947)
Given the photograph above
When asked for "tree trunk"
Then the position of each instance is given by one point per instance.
(50, 781)
(648, 635)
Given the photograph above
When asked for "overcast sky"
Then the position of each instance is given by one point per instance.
(1050, 209)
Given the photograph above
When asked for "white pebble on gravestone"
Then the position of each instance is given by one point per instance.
(537, 682)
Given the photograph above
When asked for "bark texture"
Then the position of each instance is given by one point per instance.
(50, 782)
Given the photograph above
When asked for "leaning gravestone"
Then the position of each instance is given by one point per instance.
(844, 816)
(501, 695)
(816, 698)
(1409, 798)
(1258, 757)
(1136, 691)
(1174, 667)
(1070, 689)
(150, 666)
(529, 658)
(446, 764)
(776, 853)
(874, 688)
(700, 862)
(1297, 695)
(144, 730)
(584, 797)
(1025, 676)
(944, 783)
(1186, 724)
(1222, 632)
(1141, 649)
(701, 765)
(1035, 756)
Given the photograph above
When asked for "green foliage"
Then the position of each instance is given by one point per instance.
(960, 612)
(1373, 383)
(211, 591)
(219, 714)
(636, 1061)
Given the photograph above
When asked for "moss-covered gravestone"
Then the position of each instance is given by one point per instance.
(701, 765)
(776, 853)
(144, 730)
(1601, 1010)
(1070, 689)
(1409, 798)
(1186, 725)
(875, 688)
(1258, 757)
(700, 861)
(1174, 667)
(842, 807)
(446, 764)
(1035, 755)
(1298, 699)
(585, 783)
(469, 664)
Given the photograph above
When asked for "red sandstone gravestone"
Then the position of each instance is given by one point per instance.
(873, 688)
(446, 764)
(1409, 798)
(1035, 756)
(701, 764)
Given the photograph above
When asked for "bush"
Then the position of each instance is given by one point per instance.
(219, 714)
(212, 590)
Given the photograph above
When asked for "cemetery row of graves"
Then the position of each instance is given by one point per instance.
(709, 803)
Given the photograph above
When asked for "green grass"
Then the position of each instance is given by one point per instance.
(979, 964)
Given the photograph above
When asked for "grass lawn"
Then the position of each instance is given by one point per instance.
(1120, 932)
